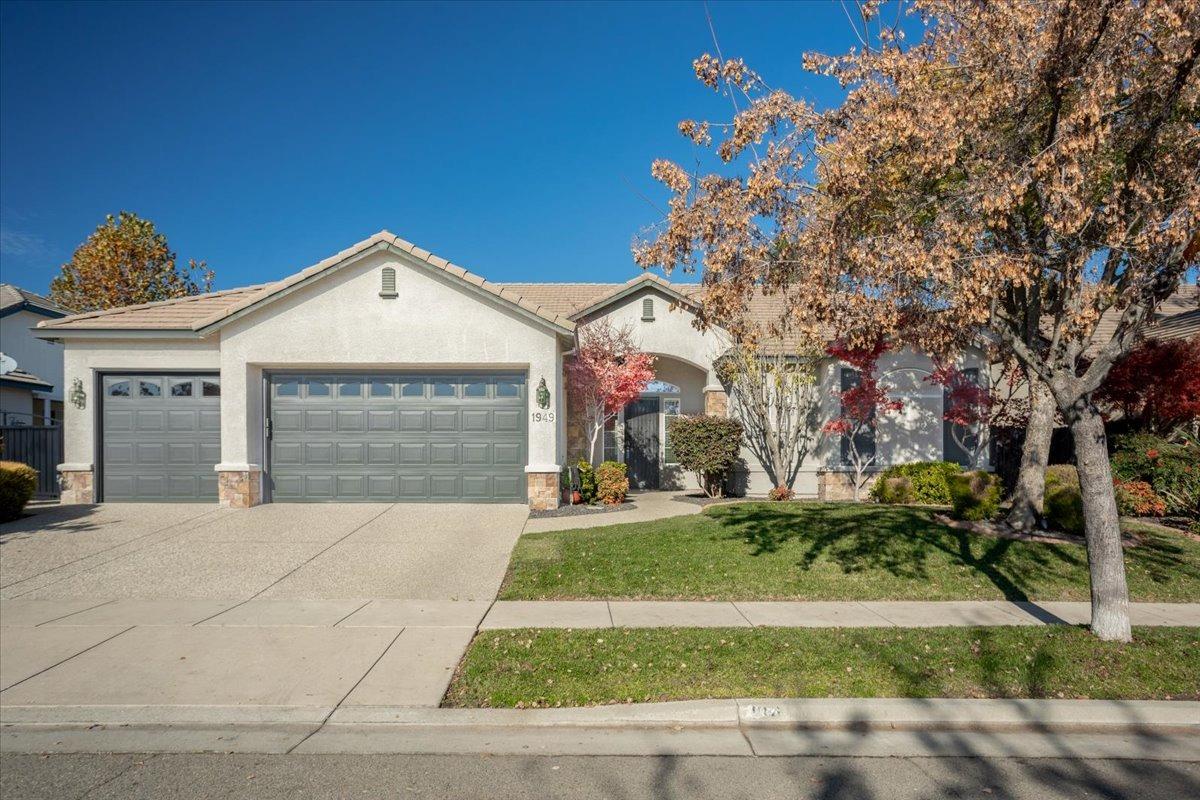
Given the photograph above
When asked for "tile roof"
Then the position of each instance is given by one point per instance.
(14, 295)
(1185, 299)
(20, 376)
(180, 313)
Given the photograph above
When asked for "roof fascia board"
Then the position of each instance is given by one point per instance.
(56, 334)
(409, 259)
(34, 308)
(36, 386)
(635, 286)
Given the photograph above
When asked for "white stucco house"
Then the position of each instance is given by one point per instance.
(31, 369)
(386, 373)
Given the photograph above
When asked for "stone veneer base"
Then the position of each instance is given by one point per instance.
(839, 485)
(543, 490)
(239, 488)
(78, 487)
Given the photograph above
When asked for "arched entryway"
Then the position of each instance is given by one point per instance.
(640, 436)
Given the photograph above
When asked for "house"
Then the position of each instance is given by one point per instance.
(31, 369)
(386, 373)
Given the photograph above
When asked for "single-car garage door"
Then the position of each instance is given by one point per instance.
(161, 437)
(398, 436)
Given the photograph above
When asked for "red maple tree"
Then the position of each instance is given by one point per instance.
(607, 371)
(1157, 384)
(968, 407)
(861, 404)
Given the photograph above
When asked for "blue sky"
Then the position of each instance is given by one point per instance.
(513, 139)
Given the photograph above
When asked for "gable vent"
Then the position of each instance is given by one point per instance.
(389, 283)
(648, 309)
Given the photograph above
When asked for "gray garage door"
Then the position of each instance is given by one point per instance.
(161, 437)
(401, 436)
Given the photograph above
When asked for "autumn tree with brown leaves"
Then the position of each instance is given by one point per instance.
(126, 261)
(1018, 172)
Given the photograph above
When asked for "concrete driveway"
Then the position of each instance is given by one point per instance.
(295, 552)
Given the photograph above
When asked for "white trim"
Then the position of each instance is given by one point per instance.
(543, 468)
(74, 467)
(237, 468)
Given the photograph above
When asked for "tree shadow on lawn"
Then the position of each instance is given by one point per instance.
(901, 541)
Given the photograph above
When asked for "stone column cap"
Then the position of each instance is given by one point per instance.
(237, 468)
(555, 468)
(74, 467)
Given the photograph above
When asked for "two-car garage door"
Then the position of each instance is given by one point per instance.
(398, 436)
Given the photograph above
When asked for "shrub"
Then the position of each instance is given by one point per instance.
(611, 483)
(1138, 499)
(18, 482)
(1063, 503)
(780, 493)
(587, 481)
(893, 491)
(974, 495)
(707, 445)
(930, 481)
(1171, 469)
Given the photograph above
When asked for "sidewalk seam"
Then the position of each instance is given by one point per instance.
(68, 658)
(742, 614)
(73, 613)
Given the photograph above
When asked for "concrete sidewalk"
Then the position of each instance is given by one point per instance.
(741, 614)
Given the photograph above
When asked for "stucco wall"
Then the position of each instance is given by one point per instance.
(341, 322)
(85, 358)
(42, 358)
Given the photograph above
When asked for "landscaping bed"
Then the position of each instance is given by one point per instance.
(829, 551)
(535, 668)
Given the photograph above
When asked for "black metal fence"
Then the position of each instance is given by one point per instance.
(39, 446)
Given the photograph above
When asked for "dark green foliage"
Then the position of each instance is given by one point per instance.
(18, 482)
(1063, 503)
(929, 481)
(974, 495)
(893, 491)
(708, 446)
(1172, 470)
(587, 481)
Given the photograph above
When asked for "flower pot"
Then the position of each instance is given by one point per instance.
(576, 498)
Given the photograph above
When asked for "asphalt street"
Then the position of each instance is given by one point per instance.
(300, 777)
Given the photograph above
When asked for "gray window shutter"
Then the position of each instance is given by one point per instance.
(648, 308)
(864, 441)
(388, 288)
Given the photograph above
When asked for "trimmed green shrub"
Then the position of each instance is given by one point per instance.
(893, 491)
(18, 482)
(1172, 470)
(930, 481)
(587, 481)
(708, 446)
(974, 495)
(780, 493)
(611, 483)
(1063, 503)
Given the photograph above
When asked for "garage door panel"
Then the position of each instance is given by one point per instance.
(401, 436)
(150, 454)
(150, 421)
(210, 421)
(118, 454)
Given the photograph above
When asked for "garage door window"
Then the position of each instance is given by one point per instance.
(350, 388)
(416, 389)
(118, 389)
(149, 388)
(211, 388)
(317, 388)
(443, 389)
(381, 387)
(181, 388)
(287, 388)
(475, 389)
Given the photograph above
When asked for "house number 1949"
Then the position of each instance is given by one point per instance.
(542, 416)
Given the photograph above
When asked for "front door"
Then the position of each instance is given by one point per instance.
(641, 442)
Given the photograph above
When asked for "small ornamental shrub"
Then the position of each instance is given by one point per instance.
(1063, 503)
(18, 482)
(930, 481)
(781, 493)
(611, 483)
(974, 495)
(708, 446)
(587, 481)
(1138, 499)
(1171, 469)
(893, 491)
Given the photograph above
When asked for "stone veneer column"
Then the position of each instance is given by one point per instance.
(716, 402)
(78, 485)
(239, 488)
(543, 490)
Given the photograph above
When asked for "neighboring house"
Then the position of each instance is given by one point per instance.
(386, 373)
(31, 371)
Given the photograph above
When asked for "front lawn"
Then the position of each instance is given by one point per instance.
(828, 551)
(527, 668)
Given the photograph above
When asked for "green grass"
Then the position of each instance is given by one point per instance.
(828, 551)
(527, 668)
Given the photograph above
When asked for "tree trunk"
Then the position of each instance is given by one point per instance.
(1035, 454)
(1102, 528)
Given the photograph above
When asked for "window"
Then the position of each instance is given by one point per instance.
(317, 388)
(210, 388)
(149, 388)
(415, 389)
(388, 288)
(350, 388)
(951, 451)
(443, 388)
(670, 408)
(475, 389)
(381, 387)
(507, 387)
(288, 388)
(865, 440)
(648, 309)
(118, 389)
(610, 440)
(181, 388)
